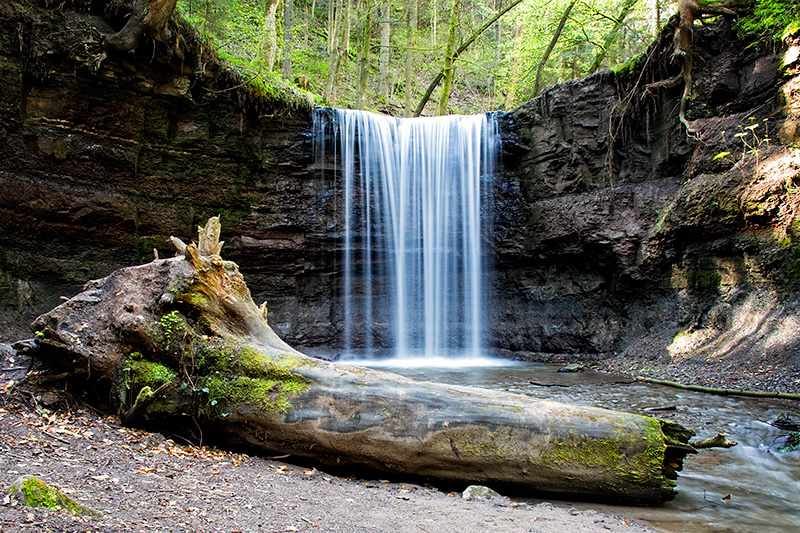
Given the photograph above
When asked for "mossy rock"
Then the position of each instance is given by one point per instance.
(33, 492)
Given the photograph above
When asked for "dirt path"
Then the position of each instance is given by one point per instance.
(141, 481)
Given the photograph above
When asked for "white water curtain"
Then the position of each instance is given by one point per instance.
(413, 275)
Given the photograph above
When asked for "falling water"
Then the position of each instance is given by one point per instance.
(413, 191)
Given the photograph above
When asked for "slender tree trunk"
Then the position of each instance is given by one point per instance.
(466, 44)
(383, 68)
(411, 45)
(310, 14)
(434, 22)
(612, 35)
(269, 39)
(449, 59)
(513, 79)
(334, 21)
(553, 41)
(363, 53)
(345, 42)
(340, 51)
(288, 39)
(498, 33)
(656, 16)
(332, 26)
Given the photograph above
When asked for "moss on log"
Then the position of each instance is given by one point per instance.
(188, 328)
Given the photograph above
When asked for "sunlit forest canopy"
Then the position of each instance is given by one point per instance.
(408, 57)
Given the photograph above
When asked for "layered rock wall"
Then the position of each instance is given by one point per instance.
(103, 157)
(612, 230)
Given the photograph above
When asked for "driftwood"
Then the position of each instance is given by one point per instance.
(188, 328)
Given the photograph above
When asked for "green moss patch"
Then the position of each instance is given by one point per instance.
(34, 492)
(235, 376)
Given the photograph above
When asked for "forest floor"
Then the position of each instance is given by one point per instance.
(141, 481)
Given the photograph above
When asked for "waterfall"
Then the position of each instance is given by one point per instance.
(412, 195)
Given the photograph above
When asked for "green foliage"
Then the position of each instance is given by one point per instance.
(146, 373)
(772, 19)
(234, 28)
(497, 70)
(172, 323)
(235, 377)
(791, 443)
(751, 143)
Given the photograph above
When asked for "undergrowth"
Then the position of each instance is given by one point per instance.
(772, 19)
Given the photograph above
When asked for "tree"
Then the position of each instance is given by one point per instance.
(452, 57)
(683, 48)
(363, 53)
(611, 36)
(556, 35)
(411, 45)
(269, 38)
(148, 17)
(288, 39)
(386, 36)
(340, 47)
(449, 58)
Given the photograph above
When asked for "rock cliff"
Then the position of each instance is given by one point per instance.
(613, 231)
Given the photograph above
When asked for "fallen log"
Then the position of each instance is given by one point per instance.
(721, 392)
(187, 328)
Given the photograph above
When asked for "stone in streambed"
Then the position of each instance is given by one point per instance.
(33, 492)
(572, 367)
(479, 492)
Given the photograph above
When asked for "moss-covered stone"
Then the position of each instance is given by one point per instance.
(34, 492)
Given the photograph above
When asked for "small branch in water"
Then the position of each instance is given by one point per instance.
(718, 441)
(722, 392)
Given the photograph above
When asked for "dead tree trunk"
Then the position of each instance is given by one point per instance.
(188, 329)
(148, 17)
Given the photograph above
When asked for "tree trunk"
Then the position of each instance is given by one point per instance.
(383, 65)
(148, 16)
(411, 47)
(269, 38)
(683, 46)
(514, 77)
(363, 53)
(655, 11)
(549, 49)
(288, 40)
(340, 48)
(611, 36)
(188, 328)
(466, 44)
(449, 59)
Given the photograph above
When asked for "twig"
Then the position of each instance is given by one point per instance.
(54, 437)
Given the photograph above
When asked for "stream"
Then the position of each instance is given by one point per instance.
(763, 483)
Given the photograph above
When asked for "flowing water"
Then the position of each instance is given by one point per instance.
(414, 191)
(763, 483)
(412, 265)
